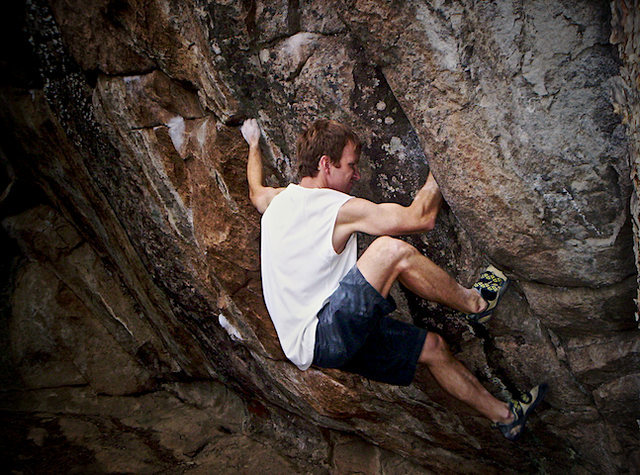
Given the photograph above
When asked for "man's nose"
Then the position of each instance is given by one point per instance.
(356, 174)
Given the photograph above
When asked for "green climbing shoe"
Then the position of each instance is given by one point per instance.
(491, 285)
(521, 410)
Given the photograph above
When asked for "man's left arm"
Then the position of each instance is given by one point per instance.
(259, 194)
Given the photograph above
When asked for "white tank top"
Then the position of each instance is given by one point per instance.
(300, 268)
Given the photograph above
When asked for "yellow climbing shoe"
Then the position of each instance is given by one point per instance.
(521, 410)
(491, 285)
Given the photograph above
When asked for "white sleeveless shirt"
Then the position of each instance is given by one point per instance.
(300, 268)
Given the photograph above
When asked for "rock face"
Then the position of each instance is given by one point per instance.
(133, 262)
(626, 100)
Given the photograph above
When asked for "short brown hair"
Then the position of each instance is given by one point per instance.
(323, 137)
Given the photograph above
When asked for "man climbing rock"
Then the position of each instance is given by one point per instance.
(330, 307)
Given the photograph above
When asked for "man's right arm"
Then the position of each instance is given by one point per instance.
(360, 215)
(259, 194)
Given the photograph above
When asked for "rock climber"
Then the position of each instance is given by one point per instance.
(330, 308)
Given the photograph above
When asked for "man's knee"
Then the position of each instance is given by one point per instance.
(434, 349)
(394, 248)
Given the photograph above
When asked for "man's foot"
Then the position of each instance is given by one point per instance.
(521, 410)
(491, 285)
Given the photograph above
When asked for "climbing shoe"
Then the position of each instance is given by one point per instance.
(491, 285)
(521, 410)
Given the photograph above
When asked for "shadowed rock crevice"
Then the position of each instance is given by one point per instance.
(131, 279)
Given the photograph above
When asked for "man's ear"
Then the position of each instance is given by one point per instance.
(324, 162)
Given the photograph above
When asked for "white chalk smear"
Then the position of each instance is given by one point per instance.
(176, 131)
(230, 329)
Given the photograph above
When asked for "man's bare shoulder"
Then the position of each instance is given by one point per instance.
(354, 209)
(263, 197)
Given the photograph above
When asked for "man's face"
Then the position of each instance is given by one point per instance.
(343, 177)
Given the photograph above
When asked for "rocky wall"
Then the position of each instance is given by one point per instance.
(135, 261)
(626, 34)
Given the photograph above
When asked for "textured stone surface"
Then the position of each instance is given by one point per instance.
(125, 202)
(57, 342)
(530, 119)
(189, 428)
(197, 427)
(626, 101)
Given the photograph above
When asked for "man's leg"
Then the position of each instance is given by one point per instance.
(458, 381)
(387, 260)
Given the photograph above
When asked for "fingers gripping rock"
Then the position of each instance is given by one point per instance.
(251, 131)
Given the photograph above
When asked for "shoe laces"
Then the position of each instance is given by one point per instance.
(526, 398)
(516, 408)
(489, 281)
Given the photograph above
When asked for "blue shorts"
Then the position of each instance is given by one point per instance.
(355, 335)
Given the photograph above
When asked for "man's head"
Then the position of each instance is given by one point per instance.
(323, 143)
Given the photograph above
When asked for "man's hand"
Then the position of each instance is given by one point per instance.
(251, 132)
